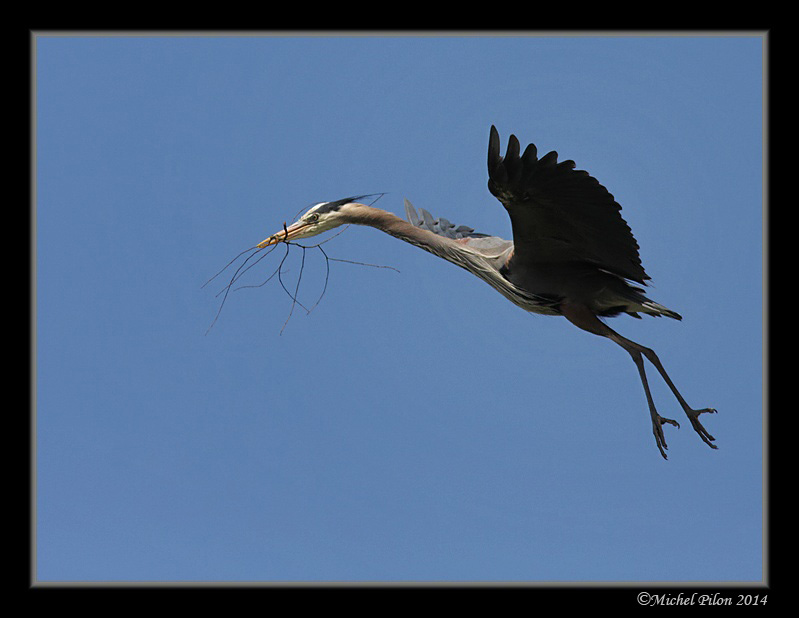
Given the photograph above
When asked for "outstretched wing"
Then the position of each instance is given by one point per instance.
(558, 213)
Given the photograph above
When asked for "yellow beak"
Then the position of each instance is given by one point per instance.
(286, 234)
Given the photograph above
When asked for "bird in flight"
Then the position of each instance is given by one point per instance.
(572, 253)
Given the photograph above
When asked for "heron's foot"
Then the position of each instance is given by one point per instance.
(693, 416)
(657, 429)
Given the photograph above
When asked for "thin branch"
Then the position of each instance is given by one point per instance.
(327, 276)
(256, 251)
(285, 289)
(227, 288)
(227, 266)
(364, 264)
(239, 275)
(296, 290)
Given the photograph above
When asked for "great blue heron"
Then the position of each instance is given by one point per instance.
(572, 253)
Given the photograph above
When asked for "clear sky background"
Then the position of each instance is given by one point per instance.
(415, 426)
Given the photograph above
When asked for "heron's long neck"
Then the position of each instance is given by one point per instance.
(457, 254)
(399, 228)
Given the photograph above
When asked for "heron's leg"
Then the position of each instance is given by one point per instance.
(582, 317)
(657, 420)
(693, 415)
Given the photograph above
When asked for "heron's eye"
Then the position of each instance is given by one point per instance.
(313, 218)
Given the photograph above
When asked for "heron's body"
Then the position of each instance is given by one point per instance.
(572, 254)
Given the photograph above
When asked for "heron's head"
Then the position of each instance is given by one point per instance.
(319, 218)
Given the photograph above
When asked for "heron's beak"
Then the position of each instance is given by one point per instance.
(295, 230)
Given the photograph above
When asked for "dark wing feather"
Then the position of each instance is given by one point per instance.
(560, 214)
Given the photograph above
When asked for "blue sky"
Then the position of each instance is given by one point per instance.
(415, 426)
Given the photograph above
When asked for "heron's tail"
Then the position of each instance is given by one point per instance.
(650, 307)
(637, 303)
